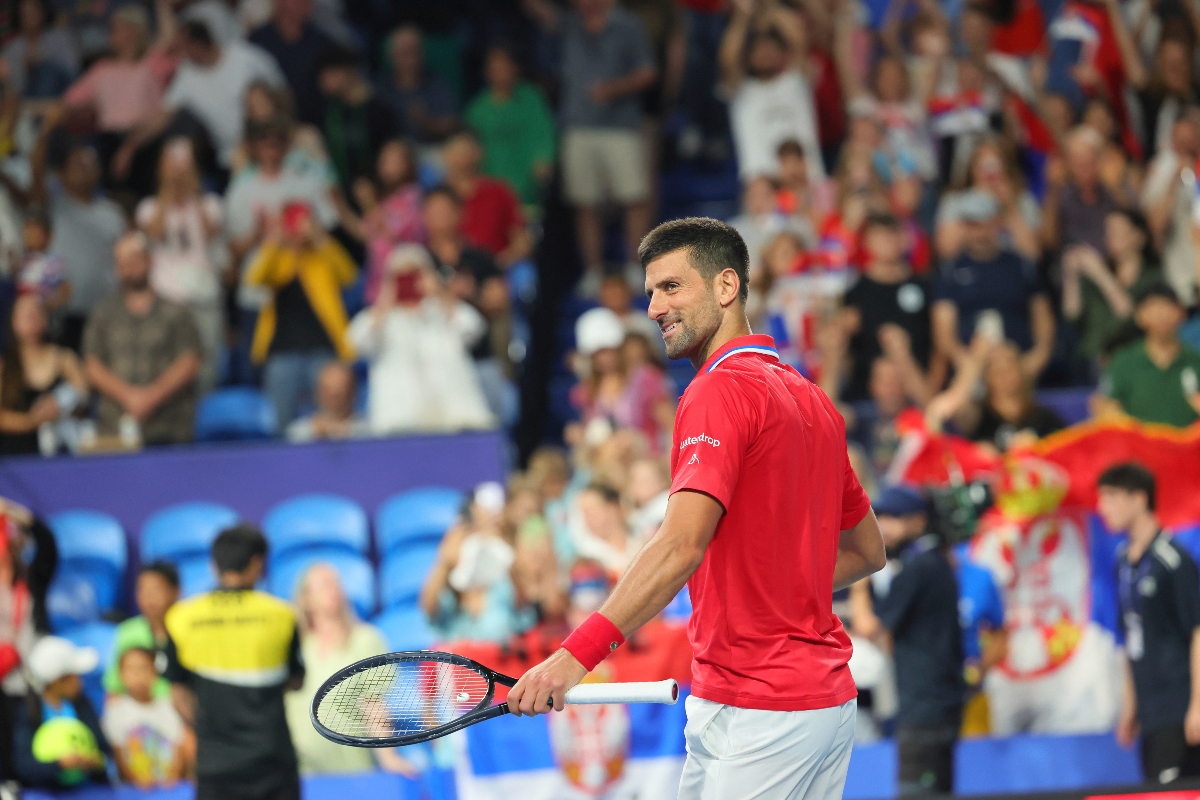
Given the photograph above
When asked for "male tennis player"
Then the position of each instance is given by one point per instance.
(766, 519)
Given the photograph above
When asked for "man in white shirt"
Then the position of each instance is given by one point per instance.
(1168, 198)
(766, 72)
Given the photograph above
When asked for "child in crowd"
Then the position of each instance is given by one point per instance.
(148, 737)
(157, 591)
(57, 739)
(41, 272)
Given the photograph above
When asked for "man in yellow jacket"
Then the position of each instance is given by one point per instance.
(303, 326)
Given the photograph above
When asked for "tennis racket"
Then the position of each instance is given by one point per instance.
(405, 698)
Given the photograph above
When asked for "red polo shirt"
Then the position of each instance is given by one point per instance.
(771, 448)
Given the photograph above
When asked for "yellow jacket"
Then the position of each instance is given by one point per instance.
(322, 273)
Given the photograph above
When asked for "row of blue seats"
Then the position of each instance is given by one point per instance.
(301, 531)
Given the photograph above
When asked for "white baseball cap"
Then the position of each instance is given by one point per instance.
(54, 657)
(598, 329)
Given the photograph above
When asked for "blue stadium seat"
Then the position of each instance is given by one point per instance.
(89, 536)
(418, 515)
(196, 575)
(91, 546)
(99, 635)
(405, 629)
(316, 520)
(71, 601)
(184, 530)
(358, 578)
(404, 572)
(236, 413)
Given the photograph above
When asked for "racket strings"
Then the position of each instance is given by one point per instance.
(402, 698)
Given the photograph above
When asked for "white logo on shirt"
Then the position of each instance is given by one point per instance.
(698, 440)
(695, 459)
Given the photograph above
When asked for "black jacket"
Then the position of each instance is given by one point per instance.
(27, 719)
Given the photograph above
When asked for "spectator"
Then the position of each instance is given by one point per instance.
(491, 214)
(424, 104)
(157, 590)
(234, 703)
(417, 337)
(646, 496)
(600, 531)
(54, 667)
(210, 85)
(636, 399)
(1077, 201)
(260, 192)
(873, 428)
(993, 169)
(356, 122)
(148, 738)
(1158, 378)
(766, 70)
(40, 382)
(616, 295)
(515, 127)
(535, 572)
(1167, 92)
(42, 60)
(1098, 292)
(606, 65)
(916, 608)
(474, 277)
(805, 202)
(331, 637)
(887, 310)
(42, 272)
(142, 354)
(23, 585)
(760, 220)
(184, 227)
(296, 44)
(391, 206)
(304, 325)
(1007, 416)
(1169, 200)
(991, 289)
(1160, 628)
(86, 228)
(469, 592)
(335, 417)
(126, 88)
(305, 152)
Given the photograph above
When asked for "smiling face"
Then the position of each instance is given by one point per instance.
(683, 304)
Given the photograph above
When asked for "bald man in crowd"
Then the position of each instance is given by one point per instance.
(142, 354)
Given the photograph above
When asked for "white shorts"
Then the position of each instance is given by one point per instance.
(603, 163)
(747, 754)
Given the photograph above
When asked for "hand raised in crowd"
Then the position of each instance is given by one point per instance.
(895, 341)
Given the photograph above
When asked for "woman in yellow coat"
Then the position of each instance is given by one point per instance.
(303, 326)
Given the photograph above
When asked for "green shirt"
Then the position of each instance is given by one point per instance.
(1152, 394)
(133, 632)
(1097, 323)
(515, 135)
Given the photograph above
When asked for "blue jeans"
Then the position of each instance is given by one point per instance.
(289, 380)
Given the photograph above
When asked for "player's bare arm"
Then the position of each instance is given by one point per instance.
(860, 553)
(657, 573)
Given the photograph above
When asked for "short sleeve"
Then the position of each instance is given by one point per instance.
(855, 502)
(1114, 383)
(712, 434)
(187, 335)
(1186, 580)
(94, 341)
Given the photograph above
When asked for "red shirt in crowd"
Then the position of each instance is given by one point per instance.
(489, 215)
(771, 448)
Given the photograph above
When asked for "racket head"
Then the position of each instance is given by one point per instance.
(405, 698)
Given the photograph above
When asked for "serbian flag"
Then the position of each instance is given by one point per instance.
(928, 458)
(609, 751)
(1172, 454)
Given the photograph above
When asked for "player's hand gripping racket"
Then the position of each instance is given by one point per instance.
(405, 698)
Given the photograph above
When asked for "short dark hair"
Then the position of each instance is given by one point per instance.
(608, 493)
(336, 57)
(141, 651)
(163, 569)
(712, 247)
(790, 147)
(881, 219)
(1130, 476)
(277, 128)
(235, 547)
(1159, 289)
(198, 32)
(444, 191)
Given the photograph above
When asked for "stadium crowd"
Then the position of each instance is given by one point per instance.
(947, 206)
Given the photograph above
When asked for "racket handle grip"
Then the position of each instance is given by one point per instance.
(666, 692)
